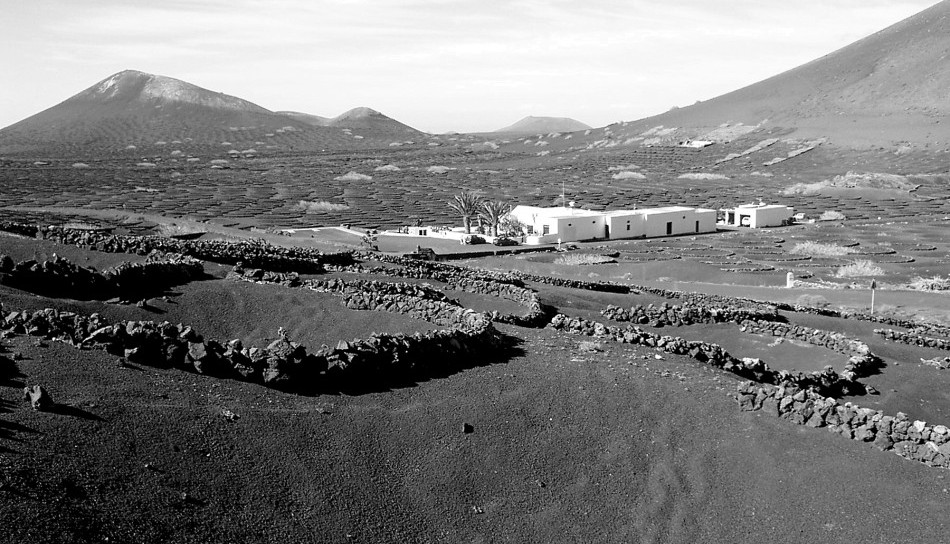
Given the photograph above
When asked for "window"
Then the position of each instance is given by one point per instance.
(697, 226)
(546, 229)
(628, 225)
(669, 228)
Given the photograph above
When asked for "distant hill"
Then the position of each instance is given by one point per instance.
(132, 109)
(541, 125)
(364, 120)
(369, 120)
(886, 88)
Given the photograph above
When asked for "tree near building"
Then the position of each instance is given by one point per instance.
(467, 205)
(511, 226)
(493, 211)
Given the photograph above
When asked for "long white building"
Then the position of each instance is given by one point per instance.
(550, 225)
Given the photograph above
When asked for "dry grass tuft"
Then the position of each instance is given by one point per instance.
(859, 269)
(626, 174)
(818, 249)
(935, 283)
(353, 176)
(703, 176)
(832, 215)
(319, 206)
(583, 259)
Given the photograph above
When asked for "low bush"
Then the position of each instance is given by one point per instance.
(859, 269)
(832, 215)
(583, 259)
(626, 174)
(818, 249)
(936, 283)
(319, 206)
(353, 176)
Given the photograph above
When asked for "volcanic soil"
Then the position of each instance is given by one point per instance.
(559, 441)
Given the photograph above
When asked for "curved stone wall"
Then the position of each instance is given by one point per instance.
(61, 278)
(915, 440)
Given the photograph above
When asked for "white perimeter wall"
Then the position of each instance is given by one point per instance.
(769, 217)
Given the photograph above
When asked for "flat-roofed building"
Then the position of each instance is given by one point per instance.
(757, 215)
(548, 225)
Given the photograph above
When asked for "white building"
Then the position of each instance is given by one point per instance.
(757, 215)
(548, 225)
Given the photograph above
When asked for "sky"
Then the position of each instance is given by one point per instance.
(436, 65)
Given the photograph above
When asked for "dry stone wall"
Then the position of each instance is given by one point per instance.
(689, 313)
(827, 381)
(464, 279)
(913, 339)
(282, 364)
(252, 253)
(915, 440)
(861, 363)
(61, 278)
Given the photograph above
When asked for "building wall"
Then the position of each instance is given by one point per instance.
(770, 217)
(707, 220)
(656, 223)
(627, 225)
(573, 229)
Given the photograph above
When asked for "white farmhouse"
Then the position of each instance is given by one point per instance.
(654, 222)
(548, 225)
(757, 215)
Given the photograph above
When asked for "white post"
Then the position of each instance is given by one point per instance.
(789, 280)
(873, 287)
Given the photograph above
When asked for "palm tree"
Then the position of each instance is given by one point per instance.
(493, 211)
(467, 206)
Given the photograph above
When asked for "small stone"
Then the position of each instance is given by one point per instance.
(38, 397)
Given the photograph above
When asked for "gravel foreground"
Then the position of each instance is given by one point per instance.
(555, 445)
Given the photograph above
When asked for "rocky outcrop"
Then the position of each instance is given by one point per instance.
(915, 440)
(61, 278)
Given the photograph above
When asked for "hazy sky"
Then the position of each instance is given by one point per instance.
(438, 65)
